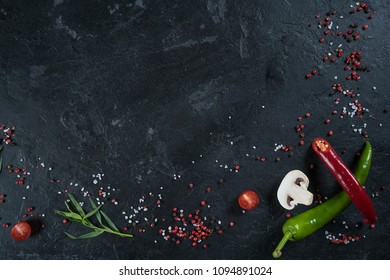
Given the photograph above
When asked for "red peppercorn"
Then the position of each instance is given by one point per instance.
(314, 72)
(322, 40)
(288, 215)
(327, 121)
(330, 133)
(191, 185)
(307, 115)
(203, 203)
(333, 59)
(325, 59)
(237, 167)
(30, 209)
(365, 26)
(231, 224)
(308, 76)
(301, 143)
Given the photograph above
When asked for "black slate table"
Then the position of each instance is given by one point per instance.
(158, 95)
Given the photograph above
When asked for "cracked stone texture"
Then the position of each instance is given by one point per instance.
(143, 90)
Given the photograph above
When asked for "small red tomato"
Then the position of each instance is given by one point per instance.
(248, 200)
(21, 231)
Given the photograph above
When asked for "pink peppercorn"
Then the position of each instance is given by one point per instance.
(327, 121)
(314, 72)
(330, 133)
(322, 40)
(365, 26)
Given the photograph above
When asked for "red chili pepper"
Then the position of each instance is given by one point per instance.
(345, 178)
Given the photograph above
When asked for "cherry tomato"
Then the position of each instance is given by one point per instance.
(21, 231)
(248, 200)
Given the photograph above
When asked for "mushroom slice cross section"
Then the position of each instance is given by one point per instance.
(293, 190)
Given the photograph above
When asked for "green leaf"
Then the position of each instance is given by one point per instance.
(93, 212)
(109, 222)
(85, 236)
(70, 215)
(76, 205)
(68, 207)
(70, 236)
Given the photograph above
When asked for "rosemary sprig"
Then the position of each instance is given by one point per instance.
(83, 218)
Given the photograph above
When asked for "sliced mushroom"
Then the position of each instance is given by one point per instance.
(293, 190)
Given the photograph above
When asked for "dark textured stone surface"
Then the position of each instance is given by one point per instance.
(139, 89)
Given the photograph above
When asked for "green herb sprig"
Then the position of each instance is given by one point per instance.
(1, 159)
(84, 218)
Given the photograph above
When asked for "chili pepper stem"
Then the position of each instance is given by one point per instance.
(278, 250)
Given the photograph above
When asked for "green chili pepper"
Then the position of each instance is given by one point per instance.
(308, 222)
